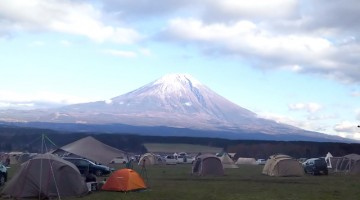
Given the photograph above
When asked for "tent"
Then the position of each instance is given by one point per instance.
(349, 164)
(283, 165)
(227, 162)
(91, 149)
(149, 159)
(124, 180)
(46, 176)
(207, 164)
(246, 161)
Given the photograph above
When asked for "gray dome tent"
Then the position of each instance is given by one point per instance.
(46, 176)
(207, 165)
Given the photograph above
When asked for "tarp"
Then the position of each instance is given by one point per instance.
(246, 161)
(92, 149)
(283, 165)
(124, 180)
(227, 162)
(207, 165)
(46, 176)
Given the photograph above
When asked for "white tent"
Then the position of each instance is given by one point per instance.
(149, 159)
(227, 162)
(246, 161)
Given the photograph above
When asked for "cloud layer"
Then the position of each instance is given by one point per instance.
(76, 18)
(318, 37)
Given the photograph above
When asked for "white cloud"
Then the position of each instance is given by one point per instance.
(303, 124)
(69, 17)
(309, 107)
(210, 9)
(13, 98)
(145, 52)
(65, 43)
(37, 43)
(344, 129)
(297, 41)
(355, 94)
(235, 9)
(128, 54)
(348, 129)
(322, 117)
(248, 40)
(119, 53)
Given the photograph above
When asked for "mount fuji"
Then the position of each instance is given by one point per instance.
(175, 104)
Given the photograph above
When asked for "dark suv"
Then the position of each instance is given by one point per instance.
(3, 174)
(85, 165)
(316, 166)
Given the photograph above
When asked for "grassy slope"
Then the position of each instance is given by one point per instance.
(247, 182)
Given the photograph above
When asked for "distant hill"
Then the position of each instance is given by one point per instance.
(174, 105)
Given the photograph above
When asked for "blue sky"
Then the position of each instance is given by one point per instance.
(292, 61)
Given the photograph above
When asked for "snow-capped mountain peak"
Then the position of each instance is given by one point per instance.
(177, 80)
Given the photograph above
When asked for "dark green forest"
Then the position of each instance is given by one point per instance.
(33, 139)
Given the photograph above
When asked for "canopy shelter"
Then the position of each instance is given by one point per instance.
(46, 176)
(349, 164)
(283, 165)
(91, 149)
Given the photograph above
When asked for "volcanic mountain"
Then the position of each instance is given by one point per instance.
(175, 100)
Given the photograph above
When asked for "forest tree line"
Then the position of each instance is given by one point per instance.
(34, 140)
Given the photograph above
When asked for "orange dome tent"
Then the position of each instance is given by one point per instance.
(124, 180)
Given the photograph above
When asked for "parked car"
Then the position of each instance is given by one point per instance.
(84, 164)
(315, 166)
(3, 174)
(171, 160)
(261, 161)
(186, 159)
(120, 159)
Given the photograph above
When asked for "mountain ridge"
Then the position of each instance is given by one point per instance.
(174, 100)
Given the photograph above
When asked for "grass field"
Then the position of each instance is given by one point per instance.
(189, 148)
(247, 182)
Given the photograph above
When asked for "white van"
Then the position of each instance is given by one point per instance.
(171, 160)
(120, 159)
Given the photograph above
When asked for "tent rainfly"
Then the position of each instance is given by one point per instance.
(349, 164)
(124, 180)
(46, 176)
(246, 161)
(283, 165)
(91, 149)
(148, 159)
(207, 164)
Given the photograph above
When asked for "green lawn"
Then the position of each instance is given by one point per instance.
(247, 182)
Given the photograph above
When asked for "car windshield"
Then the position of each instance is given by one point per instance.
(91, 162)
(320, 162)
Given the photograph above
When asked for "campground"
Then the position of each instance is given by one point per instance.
(176, 182)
